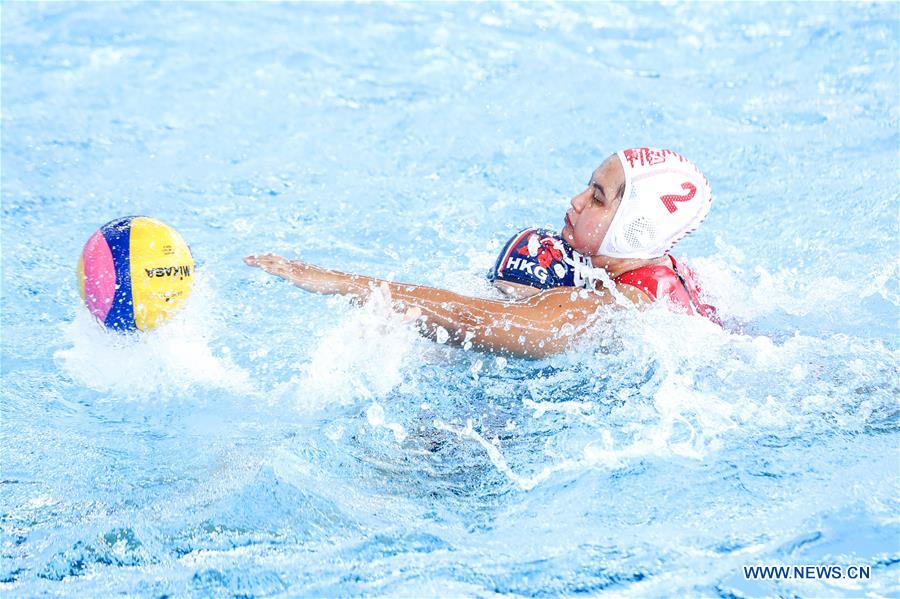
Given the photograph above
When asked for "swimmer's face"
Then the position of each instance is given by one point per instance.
(591, 211)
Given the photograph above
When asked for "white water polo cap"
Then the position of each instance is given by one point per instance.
(666, 197)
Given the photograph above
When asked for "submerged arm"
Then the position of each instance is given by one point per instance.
(541, 325)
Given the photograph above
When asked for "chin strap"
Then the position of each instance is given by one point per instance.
(586, 276)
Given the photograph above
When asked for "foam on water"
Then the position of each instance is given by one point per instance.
(366, 355)
(154, 364)
(700, 396)
(751, 292)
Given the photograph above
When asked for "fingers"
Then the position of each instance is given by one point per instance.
(275, 265)
(264, 260)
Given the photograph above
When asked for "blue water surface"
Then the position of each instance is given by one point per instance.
(269, 442)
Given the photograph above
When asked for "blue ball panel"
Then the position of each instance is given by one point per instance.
(118, 236)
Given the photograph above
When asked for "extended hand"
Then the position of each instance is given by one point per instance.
(309, 277)
(272, 263)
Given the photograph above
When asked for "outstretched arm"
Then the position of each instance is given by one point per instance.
(541, 325)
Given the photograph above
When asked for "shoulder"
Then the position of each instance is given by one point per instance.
(564, 297)
(558, 305)
(572, 299)
(566, 301)
(634, 293)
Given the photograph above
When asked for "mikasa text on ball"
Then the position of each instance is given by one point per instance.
(134, 272)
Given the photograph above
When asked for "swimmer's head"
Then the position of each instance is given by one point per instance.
(639, 203)
(532, 260)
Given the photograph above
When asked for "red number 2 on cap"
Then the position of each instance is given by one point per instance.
(669, 200)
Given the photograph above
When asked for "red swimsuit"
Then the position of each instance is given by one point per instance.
(677, 284)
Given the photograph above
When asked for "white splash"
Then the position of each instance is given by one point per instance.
(375, 416)
(364, 356)
(751, 292)
(174, 357)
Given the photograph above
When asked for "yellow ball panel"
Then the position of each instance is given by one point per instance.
(79, 274)
(162, 271)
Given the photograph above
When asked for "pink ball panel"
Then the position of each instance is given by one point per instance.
(99, 275)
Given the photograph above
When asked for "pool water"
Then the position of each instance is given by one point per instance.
(272, 442)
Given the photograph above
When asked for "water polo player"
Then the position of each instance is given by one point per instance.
(638, 204)
(537, 259)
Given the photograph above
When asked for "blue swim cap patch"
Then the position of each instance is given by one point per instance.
(536, 257)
